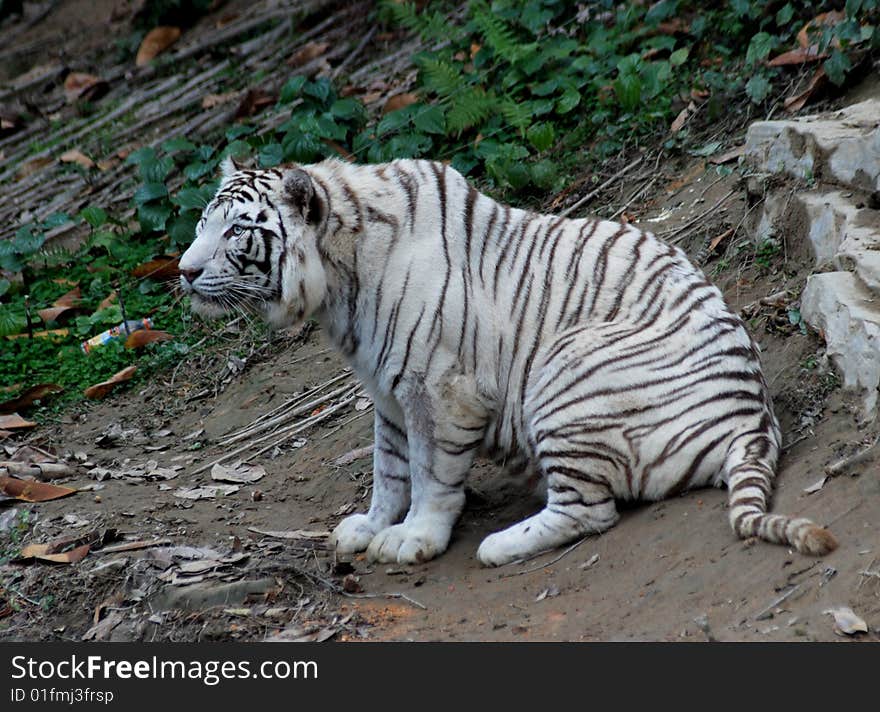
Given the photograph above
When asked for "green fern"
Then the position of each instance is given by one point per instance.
(440, 77)
(516, 114)
(498, 34)
(470, 109)
(430, 26)
(55, 255)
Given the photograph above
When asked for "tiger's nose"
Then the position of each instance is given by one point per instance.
(191, 275)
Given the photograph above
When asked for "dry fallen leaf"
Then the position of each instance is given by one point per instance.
(108, 300)
(846, 622)
(102, 629)
(728, 156)
(70, 299)
(797, 101)
(209, 101)
(79, 85)
(100, 390)
(156, 41)
(347, 155)
(802, 55)
(399, 101)
(29, 396)
(140, 338)
(303, 534)
(30, 167)
(254, 101)
(713, 244)
(9, 121)
(66, 557)
(238, 473)
(164, 267)
(681, 119)
(814, 26)
(50, 314)
(134, 546)
(76, 156)
(31, 490)
(15, 422)
(206, 492)
(816, 486)
(307, 53)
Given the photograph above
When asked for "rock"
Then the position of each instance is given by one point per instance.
(840, 233)
(843, 148)
(848, 314)
(197, 597)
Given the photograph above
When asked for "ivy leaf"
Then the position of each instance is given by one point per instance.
(291, 90)
(271, 155)
(544, 174)
(302, 148)
(56, 220)
(679, 57)
(150, 191)
(837, 66)
(197, 169)
(541, 136)
(321, 89)
(757, 88)
(237, 149)
(509, 172)
(178, 145)
(430, 119)
(153, 217)
(94, 216)
(183, 229)
(569, 99)
(346, 109)
(759, 48)
(232, 134)
(784, 16)
(191, 198)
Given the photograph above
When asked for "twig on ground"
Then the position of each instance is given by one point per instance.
(40, 470)
(549, 563)
(593, 193)
(676, 235)
(353, 455)
(840, 466)
(354, 53)
(784, 597)
(386, 595)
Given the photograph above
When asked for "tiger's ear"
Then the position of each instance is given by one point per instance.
(300, 193)
(229, 166)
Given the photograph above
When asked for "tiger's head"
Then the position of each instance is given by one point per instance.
(255, 247)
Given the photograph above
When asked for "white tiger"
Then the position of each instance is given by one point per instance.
(587, 350)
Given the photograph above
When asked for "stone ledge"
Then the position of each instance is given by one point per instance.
(848, 315)
(843, 148)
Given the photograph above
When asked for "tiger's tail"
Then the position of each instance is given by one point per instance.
(749, 472)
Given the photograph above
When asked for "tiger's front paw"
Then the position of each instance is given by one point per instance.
(502, 548)
(354, 534)
(409, 543)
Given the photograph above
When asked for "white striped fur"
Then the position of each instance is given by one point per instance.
(585, 350)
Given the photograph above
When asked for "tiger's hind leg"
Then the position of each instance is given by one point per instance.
(577, 451)
(579, 502)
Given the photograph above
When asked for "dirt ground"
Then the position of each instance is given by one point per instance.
(668, 571)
